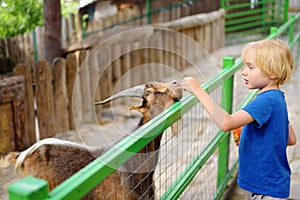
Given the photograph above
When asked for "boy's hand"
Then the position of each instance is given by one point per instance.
(188, 83)
(237, 135)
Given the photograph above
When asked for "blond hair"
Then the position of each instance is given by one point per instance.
(273, 57)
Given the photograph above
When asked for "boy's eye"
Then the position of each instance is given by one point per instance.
(250, 67)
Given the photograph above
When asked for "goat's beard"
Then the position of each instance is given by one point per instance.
(155, 110)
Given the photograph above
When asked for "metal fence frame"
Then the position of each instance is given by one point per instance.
(246, 18)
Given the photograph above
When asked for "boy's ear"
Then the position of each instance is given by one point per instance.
(273, 76)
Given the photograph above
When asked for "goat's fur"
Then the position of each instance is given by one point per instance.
(56, 160)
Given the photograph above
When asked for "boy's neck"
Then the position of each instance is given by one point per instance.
(271, 86)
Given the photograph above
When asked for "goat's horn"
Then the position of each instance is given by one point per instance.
(136, 91)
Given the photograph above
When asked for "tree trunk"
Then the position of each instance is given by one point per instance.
(52, 23)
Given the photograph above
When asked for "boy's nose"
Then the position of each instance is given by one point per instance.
(244, 71)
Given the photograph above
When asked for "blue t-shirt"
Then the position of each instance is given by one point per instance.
(263, 163)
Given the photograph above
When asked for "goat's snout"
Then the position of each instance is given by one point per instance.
(176, 89)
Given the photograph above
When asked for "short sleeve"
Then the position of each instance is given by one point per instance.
(260, 109)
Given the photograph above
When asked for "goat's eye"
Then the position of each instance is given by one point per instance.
(174, 82)
(157, 93)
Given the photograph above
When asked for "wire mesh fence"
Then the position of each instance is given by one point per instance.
(177, 152)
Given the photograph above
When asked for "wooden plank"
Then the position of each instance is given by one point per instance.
(127, 14)
(3, 45)
(135, 13)
(126, 63)
(207, 40)
(12, 49)
(116, 64)
(25, 70)
(214, 35)
(21, 51)
(7, 133)
(40, 42)
(85, 85)
(44, 99)
(13, 109)
(222, 32)
(94, 64)
(179, 63)
(60, 94)
(27, 52)
(167, 53)
(173, 55)
(31, 49)
(71, 73)
(136, 58)
(199, 37)
(72, 29)
(106, 77)
(147, 71)
(65, 37)
(190, 44)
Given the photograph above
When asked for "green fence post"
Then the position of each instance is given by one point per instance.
(263, 13)
(273, 30)
(29, 188)
(291, 30)
(226, 103)
(286, 11)
(223, 4)
(148, 10)
(35, 51)
(273, 33)
(298, 41)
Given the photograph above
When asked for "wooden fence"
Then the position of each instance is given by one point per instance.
(29, 47)
(65, 90)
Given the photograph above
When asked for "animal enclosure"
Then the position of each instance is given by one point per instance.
(101, 168)
(123, 58)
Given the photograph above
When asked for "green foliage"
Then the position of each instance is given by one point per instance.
(68, 7)
(19, 16)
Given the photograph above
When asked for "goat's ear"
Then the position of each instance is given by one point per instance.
(162, 89)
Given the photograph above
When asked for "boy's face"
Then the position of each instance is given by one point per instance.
(252, 74)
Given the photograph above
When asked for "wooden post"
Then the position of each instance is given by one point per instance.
(94, 64)
(72, 31)
(65, 33)
(116, 64)
(126, 62)
(3, 48)
(12, 115)
(7, 134)
(60, 94)
(44, 99)
(40, 42)
(85, 86)
(71, 71)
(105, 67)
(27, 51)
(136, 60)
(25, 70)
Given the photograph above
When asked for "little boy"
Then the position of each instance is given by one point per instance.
(263, 166)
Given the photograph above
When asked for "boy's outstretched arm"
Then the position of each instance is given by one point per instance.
(292, 136)
(223, 119)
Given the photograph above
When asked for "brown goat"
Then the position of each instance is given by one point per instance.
(56, 160)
